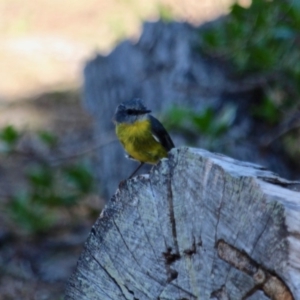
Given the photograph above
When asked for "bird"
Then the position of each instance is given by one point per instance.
(143, 137)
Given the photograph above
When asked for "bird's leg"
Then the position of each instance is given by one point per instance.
(141, 164)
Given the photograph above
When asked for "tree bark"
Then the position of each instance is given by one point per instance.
(199, 226)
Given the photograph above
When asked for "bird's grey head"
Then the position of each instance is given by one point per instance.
(131, 111)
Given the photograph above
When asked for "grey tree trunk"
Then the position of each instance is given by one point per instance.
(199, 226)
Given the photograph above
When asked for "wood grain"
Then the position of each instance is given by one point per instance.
(199, 226)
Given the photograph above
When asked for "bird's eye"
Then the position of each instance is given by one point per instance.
(130, 111)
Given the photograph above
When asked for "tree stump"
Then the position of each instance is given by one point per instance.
(199, 226)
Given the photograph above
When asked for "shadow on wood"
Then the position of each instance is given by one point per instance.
(200, 226)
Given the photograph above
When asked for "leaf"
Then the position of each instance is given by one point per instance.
(9, 135)
(40, 176)
(261, 58)
(204, 120)
(32, 217)
(211, 38)
(81, 177)
(267, 111)
(238, 12)
(176, 117)
(48, 138)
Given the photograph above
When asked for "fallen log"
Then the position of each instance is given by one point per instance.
(199, 226)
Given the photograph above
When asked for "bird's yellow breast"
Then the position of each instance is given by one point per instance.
(138, 141)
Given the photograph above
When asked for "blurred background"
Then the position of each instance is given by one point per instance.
(48, 196)
(48, 202)
(44, 45)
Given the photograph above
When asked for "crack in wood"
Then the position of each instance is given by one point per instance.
(219, 210)
(217, 224)
(170, 257)
(122, 238)
(264, 280)
(159, 223)
(261, 233)
(173, 284)
(79, 290)
(114, 280)
(172, 215)
(93, 231)
(185, 291)
(146, 235)
(291, 185)
(200, 243)
(252, 292)
(192, 250)
(220, 294)
(131, 292)
(169, 271)
(123, 184)
(173, 275)
(240, 187)
(182, 290)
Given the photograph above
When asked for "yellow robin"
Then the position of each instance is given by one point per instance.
(143, 136)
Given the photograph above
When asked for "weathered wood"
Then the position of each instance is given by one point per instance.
(199, 226)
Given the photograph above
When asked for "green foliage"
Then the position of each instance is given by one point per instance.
(80, 176)
(261, 40)
(40, 176)
(267, 110)
(48, 138)
(9, 137)
(49, 188)
(165, 13)
(31, 216)
(207, 122)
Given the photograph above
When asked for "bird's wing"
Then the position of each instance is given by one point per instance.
(160, 134)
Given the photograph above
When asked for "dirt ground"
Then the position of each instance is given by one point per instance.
(44, 44)
(43, 48)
